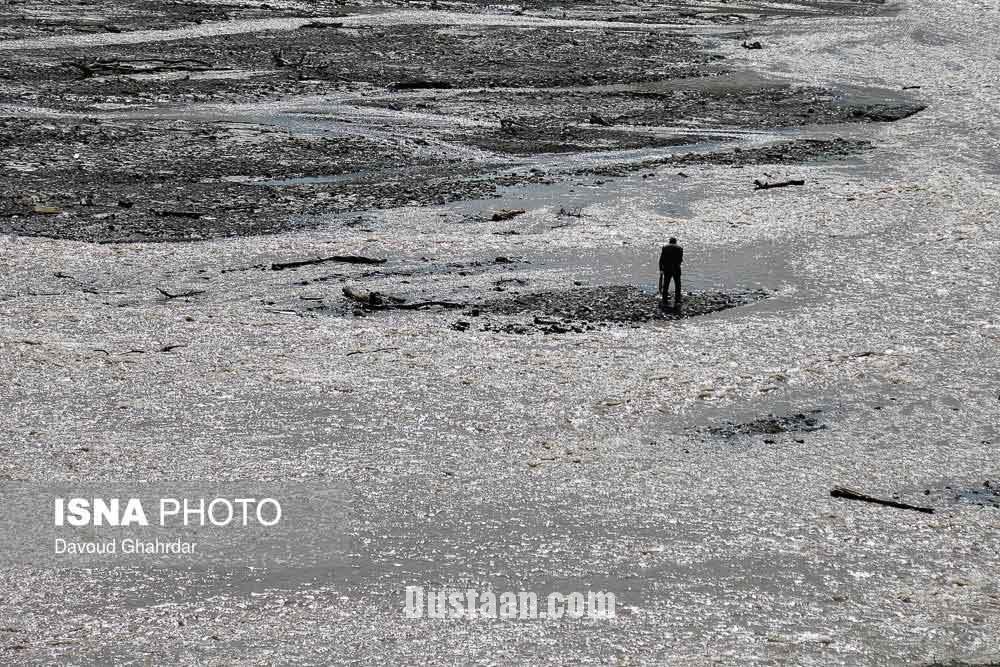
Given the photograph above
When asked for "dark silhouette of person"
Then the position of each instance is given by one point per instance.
(671, 258)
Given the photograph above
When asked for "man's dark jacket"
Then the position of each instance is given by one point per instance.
(671, 258)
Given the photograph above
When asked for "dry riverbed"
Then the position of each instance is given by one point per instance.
(407, 251)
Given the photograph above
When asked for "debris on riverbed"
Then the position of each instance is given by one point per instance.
(772, 425)
(506, 214)
(344, 259)
(763, 185)
(564, 311)
(119, 66)
(372, 301)
(179, 295)
(851, 494)
(786, 152)
(538, 325)
(421, 84)
(987, 495)
(618, 303)
(984, 494)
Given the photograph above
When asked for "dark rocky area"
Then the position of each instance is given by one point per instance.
(511, 410)
(800, 422)
(128, 142)
(984, 494)
(618, 304)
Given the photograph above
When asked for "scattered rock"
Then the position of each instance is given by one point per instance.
(618, 303)
(506, 214)
(421, 84)
(771, 425)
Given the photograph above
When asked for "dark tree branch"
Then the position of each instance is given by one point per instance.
(851, 494)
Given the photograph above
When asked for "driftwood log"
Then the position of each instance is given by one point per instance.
(165, 213)
(345, 259)
(320, 25)
(103, 66)
(851, 494)
(380, 301)
(506, 214)
(179, 295)
(761, 185)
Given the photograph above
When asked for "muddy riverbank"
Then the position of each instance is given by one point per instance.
(257, 132)
(189, 189)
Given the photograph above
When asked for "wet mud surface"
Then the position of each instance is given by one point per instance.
(573, 310)
(800, 422)
(182, 210)
(184, 181)
(32, 19)
(957, 495)
(601, 119)
(324, 60)
(260, 132)
(781, 153)
(620, 304)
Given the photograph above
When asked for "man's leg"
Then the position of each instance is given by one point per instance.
(662, 288)
(677, 287)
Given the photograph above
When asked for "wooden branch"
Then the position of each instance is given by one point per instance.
(320, 25)
(179, 295)
(346, 259)
(506, 214)
(417, 305)
(760, 185)
(380, 349)
(90, 68)
(162, 213)
(371, 299)
(379, 301)
(165, 61)
(851, 494)
(278, 56)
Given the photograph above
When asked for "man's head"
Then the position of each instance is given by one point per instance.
(673, 241)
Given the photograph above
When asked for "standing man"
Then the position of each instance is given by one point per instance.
(671, 258)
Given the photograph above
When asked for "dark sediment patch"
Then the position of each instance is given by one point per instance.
(115, 182)
(787, 152)
(34, 18)
(801, 422)
(726, 101)
(557, 312)
(617, 304)
(613, 118)
(984, 494)
(129, 180)
(150, 181)
(526, 137)
(323, 61)
(200, 211)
